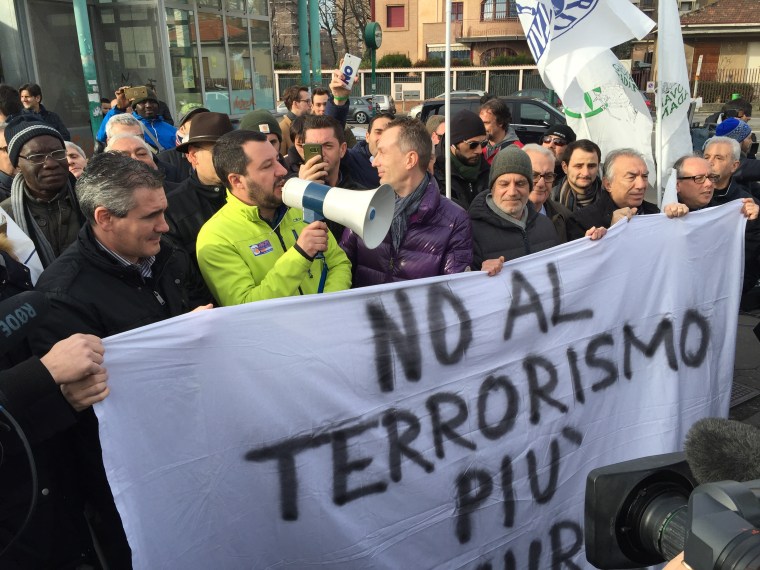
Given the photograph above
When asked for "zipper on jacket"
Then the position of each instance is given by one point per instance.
(159, 298)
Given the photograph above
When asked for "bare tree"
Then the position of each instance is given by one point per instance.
(351, 16)
(327, 24)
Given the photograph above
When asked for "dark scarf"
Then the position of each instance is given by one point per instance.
(469, 173)
(405, 207)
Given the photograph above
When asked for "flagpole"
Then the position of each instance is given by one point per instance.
(658, 151)
(447, 100)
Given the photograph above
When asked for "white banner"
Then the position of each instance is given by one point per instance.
(613, 114)
(565, 36)
(674, 90)
(440, 423)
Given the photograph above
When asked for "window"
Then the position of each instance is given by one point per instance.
(498, 10)
(395, 17)
(457, 10)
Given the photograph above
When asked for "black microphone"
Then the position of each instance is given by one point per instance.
(20, 315)
(723, 450)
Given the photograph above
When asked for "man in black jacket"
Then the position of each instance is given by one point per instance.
(31, 99)
(724, 156)
(116, 277)
(505, 225)
(625, 183)
(199, 197)
(469, 168)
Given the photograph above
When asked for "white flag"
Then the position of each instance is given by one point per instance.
(673, 86)
(613, 113)
(565, 36)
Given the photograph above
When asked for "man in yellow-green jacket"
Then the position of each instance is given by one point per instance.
(255, 247)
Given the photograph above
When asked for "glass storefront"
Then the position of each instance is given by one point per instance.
(211, 52)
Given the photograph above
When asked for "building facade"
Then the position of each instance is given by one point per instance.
(212, 52)
(480, 29)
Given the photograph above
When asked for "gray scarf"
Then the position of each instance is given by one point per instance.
(405, 207)
(28, 225)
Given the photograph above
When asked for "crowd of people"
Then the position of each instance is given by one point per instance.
(169, 219)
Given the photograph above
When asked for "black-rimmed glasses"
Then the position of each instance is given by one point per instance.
(700, 178)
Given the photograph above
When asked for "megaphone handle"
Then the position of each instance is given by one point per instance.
(323, 276)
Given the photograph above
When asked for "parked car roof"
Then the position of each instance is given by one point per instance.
(530, 117)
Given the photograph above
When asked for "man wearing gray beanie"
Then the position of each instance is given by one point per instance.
(504, 227)
(469, 169)
(42, 200)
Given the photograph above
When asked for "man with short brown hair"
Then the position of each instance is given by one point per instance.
(298, 102)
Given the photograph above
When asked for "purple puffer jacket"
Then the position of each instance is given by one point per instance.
(438, 241)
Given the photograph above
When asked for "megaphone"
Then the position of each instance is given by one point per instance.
(368, 213)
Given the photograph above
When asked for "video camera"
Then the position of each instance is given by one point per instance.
(646, 511)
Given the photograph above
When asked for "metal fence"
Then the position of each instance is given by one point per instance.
(715, 85)
(719, 85)
(423, 83)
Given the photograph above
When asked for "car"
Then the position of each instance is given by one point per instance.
(530, 117)
(281, 108)
(384, 102)
(463, 93)
(416, 111)
(548, 95)
(362, 110)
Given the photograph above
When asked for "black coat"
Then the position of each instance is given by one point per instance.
(463, 191)
(493, 236)
(599, 214)
(191, 204)
(91, 293)
(57, 535)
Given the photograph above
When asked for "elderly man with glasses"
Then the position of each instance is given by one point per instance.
(544, 176)
(696, 189)
(298, 101)
(469, 168)
(42, 200)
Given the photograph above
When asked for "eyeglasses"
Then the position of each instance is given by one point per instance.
(305, 101)
(700, 178)
(475, 144)
(41, 158)
(555, 141)
(548, 176)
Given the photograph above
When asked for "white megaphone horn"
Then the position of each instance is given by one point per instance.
(368, 213)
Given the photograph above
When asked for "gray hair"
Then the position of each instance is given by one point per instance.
(110, 180)
(2, 126)
(76, 147)
(611, 158)
(121, 119)
(542, 150)
(736, 149)
(109, 147)
(678, 164)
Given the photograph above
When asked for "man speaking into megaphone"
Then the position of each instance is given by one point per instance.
(254, 247)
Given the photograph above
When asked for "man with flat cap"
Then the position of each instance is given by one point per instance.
(201, 195)
(556, 138)
(158, 133)
(469, 168)
(42, 200)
